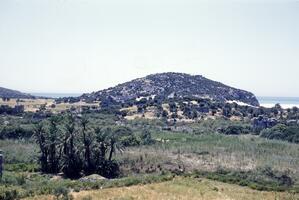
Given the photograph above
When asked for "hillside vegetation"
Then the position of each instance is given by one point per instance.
(168, 135)
(165, 85)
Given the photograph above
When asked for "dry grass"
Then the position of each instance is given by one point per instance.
(30, 105)
(183, 189)
(132, 109)
(33, 105)
(209, 152)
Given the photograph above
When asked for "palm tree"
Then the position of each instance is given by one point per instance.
(87, 141)
(102, 144)
(71, 164)
(40, 137)
(54, 141)
(114, 143)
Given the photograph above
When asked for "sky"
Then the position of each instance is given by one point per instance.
(78, 46)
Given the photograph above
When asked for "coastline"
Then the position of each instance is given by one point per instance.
(285, 106)
(285, 102)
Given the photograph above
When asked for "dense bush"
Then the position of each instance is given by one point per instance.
(8, 193)
(282, 132)
(236, 129)
(4, 109)
(16, 132)
(146, 137)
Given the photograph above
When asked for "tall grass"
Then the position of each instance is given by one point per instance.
(18, 151)
(214, 151)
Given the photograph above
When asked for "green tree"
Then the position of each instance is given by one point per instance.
(54, 145)
(87, 142)
(71, 155)
(40, 137)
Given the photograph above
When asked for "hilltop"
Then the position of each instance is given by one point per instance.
(8, 93)
(168, 85)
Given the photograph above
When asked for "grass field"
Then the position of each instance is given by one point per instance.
(195, 158)
(33, 105)
(180, 188)
(210, 152)
(18, 151)
(30, 105)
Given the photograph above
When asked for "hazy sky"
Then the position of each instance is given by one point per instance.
(87, 45)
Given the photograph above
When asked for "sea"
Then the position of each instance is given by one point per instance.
(56, 95)
(285, 102)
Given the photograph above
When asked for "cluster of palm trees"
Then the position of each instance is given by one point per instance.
(70, 145)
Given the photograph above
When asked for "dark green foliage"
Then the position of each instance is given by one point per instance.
(146, 137)
(71, 155)
(164, 114)
(236, 129)
(18, 109)
(77, 146)
(53, 146)
(8, 193)
(16, 132)
(130, 140)
(282, 132)
(88, 164)
(108, 168)
(226, 111)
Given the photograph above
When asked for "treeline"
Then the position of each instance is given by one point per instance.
(195, 108)
(5, 109)
(75, 147)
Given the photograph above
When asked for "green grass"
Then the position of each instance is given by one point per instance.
(19, 151)
(240, 157)
(32, 184)
(259, 179)
(263, 151)
(209, 152)
(183, 188)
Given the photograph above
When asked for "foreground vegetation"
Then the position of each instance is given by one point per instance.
(41, 152)
(180, 188)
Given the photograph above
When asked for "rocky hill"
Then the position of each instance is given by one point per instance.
(8, 93)
(168, 85)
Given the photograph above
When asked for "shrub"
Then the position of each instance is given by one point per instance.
(236, 130)
(146, 137)
(108, 169)
(7, 193)
(61, 192)
(282, 132)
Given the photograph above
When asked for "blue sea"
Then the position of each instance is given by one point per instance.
(285, 102)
